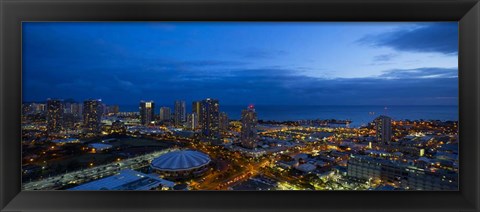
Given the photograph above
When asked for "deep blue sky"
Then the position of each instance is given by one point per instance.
(242, 63)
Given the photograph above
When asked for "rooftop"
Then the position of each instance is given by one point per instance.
(100, 146)
(180, 161)
(67, 140)
(125, 180)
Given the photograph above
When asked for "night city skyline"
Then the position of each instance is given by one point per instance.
(242, 63)
(240, 106)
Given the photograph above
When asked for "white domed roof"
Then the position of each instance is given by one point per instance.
(180, 161)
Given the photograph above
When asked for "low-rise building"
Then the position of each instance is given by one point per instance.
(401, 175)
(126, 180)
(66, 141)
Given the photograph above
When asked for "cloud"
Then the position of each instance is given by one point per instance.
(122, 68)
(209, 63)
(77, 83)
(255, 53)
(420, 73)
(384, 57)
(437, 37)
(259, 86)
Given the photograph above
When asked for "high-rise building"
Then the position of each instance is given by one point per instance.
(197, 108)
(33, 108)
(383, 128)
(192, 121)
(209, 120)
(165, 114)
(76, 109)
(38, 108)
(26, 109)
(248, 135)
(223, 122)
(67, 107)
(69, 121)
(147, 111)
(113, 109)
(55, 112)
(92, 115)
(179, 113)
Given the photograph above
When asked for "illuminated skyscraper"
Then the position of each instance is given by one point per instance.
(192, 121)
(209, 120)
(26, 109)
(39, 108)
(197, 108)
(223, 122)
(383, 128)
(54, 115)
(33, 108)
(147, 112)
(92, 115)
(179, 113)
(248, 136)
(165, 114)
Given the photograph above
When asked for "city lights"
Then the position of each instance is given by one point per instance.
(240, 106)
(300, 155)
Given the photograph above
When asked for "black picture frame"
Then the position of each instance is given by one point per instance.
(466, 12)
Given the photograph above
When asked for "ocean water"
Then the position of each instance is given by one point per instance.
(359, 115)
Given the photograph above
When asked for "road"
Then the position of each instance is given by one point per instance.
(93, 173)
(249, 169)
